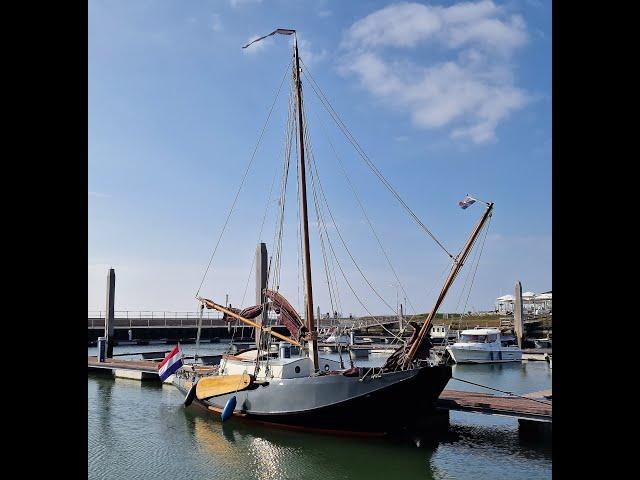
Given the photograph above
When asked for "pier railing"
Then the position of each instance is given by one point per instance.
(158, 319)
(148, 318)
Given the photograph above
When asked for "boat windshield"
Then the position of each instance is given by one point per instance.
(466, 338)
(473, 338)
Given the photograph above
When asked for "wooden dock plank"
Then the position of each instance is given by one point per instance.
(147, 366)
(542, 394)
(492, 404)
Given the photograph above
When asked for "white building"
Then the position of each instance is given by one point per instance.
(531, 303)
(505, 304)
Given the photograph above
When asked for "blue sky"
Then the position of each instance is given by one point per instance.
(446, 98)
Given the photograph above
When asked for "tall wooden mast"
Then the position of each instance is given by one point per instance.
(459, 262)
(313, 340)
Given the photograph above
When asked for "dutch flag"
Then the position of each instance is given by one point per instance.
(466, 201)
(171, 363)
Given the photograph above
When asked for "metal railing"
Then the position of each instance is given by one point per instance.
(153, 318)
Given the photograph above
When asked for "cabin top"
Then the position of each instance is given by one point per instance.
(293, 367)
(480, 331)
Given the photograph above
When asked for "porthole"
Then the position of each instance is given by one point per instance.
(326, 368)
(297, 369)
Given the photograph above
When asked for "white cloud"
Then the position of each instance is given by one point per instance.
(240, 3)
(471, 92)
(216, 23)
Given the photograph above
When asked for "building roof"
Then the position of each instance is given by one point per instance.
(506, 298)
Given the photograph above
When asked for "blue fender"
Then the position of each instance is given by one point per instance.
(228, 409)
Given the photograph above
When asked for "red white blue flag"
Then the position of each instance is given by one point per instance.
(171, 363)
(466, 201)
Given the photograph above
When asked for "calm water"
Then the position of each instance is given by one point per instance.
(141, 430)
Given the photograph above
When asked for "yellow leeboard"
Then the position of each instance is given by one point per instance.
(221, 384)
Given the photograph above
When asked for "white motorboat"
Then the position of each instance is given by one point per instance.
(337, 339)
(483, 345)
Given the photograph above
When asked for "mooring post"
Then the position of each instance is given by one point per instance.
(261, 284)
(109, 322)
(518, 323)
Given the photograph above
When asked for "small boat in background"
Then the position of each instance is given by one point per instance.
(337, 339)
(440, 335)
(483, 345)
(542, 342)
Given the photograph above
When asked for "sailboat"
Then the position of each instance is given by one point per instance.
(308, 391)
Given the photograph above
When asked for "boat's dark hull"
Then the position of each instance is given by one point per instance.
(385, 405)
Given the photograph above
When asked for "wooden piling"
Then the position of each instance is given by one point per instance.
(109, 320)
(261, 284)
(518, 323)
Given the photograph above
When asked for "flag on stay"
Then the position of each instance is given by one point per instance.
(171, 363)
(467, 201)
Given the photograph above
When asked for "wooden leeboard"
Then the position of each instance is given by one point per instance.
(221, 384)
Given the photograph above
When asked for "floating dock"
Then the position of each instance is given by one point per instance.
(133, 369)
(536, 406)
(535, 353)
(137, 369)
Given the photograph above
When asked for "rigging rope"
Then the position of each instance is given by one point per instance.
(313, 187)
(244, 177)
(469, 269)
(355, 193)
(502, 391)
(486, 231)
(319, 221)
(316, 177)
(274, 281)
(266, 210)
(345, 130)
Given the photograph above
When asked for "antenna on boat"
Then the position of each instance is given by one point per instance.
(306, 258)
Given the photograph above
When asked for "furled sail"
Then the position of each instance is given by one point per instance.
(249, 312)
(287, 314)
(396, 358)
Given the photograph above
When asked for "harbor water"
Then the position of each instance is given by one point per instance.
(141, 430)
